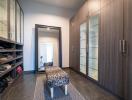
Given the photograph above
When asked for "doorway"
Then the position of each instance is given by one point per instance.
(48, 49)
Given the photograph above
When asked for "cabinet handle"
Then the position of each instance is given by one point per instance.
(123, 46)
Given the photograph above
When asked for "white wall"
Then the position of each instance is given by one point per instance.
(35, 13)
(52, 38)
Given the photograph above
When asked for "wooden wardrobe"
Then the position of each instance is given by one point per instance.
(115, 44)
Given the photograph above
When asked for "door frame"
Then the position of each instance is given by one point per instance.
(37, 26)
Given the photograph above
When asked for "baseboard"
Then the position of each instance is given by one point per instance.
(65, 67)
(29, 72)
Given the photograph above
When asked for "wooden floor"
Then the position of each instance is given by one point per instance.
(88, 89)
(23, 88)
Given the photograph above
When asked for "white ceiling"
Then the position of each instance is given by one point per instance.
(68, 4)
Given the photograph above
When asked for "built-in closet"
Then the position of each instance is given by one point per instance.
(11, 43)
(105, 57)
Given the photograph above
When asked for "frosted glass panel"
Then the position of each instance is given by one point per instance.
(83, 44)
(83, 32)
(83, 52)
(22, 27)
(18, 23)
(93, 64)
(93, 73)
(3, 19)
(93, 53)
(83, 69)
(82, 60)
(12, 20)
(93, 47)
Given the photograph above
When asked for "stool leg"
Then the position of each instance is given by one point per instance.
(66, 90)
(51, 91)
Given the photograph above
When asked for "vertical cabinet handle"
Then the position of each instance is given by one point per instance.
(123, 46)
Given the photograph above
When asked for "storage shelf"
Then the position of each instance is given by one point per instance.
(9, 41)
(8, 70)
(10, 60)
(10, 50)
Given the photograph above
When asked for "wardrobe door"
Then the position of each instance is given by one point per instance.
(128, 38)
(18, 23)
(12, 20)
(83, 49)
(22, 27)
(4, 19)
(74, 45)
(110, 55)
(93, 37)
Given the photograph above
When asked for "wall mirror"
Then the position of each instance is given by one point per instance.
(48, 48)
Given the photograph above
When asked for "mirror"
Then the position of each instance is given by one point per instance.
(48, 47)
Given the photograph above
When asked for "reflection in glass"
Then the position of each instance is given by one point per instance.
(93, 48)
(3, 19)
(83, 32)
(12, 20)
(18, 23)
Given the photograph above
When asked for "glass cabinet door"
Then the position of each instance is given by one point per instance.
(83, 32)
(18, 22)
(93, 47)
(22, 27)
(4, 18)
(12, 20)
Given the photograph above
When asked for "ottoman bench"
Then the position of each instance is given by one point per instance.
(56, 77)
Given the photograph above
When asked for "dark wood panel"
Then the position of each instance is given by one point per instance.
(93, 6)
(110, 57)
(75, 22)
(72, 44)
(105, 3)
(128, 38)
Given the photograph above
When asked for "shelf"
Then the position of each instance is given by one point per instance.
(9, 41)
(19, 44)
(10, 60)
(10, 50)
(6, 40)
(8, 70)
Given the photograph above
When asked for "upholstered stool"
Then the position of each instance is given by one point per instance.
(56, 77)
